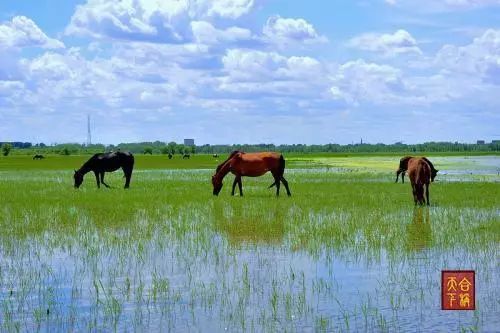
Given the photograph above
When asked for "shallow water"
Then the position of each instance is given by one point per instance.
(187, 285)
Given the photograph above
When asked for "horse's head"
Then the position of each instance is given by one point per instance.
(433, 174)
(217, 183)
(78, 176)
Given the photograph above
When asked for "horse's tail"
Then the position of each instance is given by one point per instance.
(282, 165)
(131, 158)
(281, 169)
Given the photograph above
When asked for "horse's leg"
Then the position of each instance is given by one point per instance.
(403, 177)
(234, 184)
(283, 180)
(97, 179)
(278, 184)
(102, 180)
(421, 199)
(414, 191)
(397, 175)
(240, 186)
(128, 175)
(427, 194)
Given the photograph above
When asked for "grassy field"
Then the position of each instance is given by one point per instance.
(347, 252)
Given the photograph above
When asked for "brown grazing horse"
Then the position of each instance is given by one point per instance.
(403, 166)
(251, 165)
(419, 172)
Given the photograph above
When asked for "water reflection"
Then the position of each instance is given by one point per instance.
(241, 223)
(419, 231)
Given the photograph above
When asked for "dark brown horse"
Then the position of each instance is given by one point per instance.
(403, 166)
(106, 162)
(251, 165)
(419, 172)
(38, 157)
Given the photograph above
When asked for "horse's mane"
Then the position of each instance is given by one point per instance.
(429, 162)
(403, 163)
(91, 159)
(230, 157)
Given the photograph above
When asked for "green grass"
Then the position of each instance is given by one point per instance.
(60, 162)
(168, 250)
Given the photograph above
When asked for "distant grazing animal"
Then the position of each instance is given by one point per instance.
(38, 157)
(106, 162)
(186, 156)
(215, 155)
(170, 156)
(403, 166)
(251, 165)
(419, 172)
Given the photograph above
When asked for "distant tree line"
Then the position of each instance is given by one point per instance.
(356, 148)
(158, 147)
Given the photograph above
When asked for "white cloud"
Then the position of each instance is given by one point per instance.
(389, 44)
(271, 74)
(165, 21)
(205, 33)
(227, 8)
(480, 59)
(281, 30)
(359, 81)
(23, 32)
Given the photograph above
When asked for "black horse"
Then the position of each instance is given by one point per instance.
(215, 155)
(170, 156)
(106, 162)
(38, 157)
(186, 156)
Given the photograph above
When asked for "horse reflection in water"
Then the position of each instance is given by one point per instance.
(242, 225)
(419, 231)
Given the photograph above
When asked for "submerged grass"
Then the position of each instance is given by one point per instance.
(348, 251)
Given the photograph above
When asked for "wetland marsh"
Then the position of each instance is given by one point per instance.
(347, 252)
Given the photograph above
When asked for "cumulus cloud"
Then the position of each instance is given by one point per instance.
(205, 33)
(23, 32)
(281, 30)
(359, 81)
(270, 73)
(252, 65)
(388, 44)
(166, 21)
(226, 8)
(481, 58)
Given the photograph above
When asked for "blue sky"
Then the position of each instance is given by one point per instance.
(250, 71)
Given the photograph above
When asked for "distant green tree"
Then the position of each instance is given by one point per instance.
(165, 150)
(172, 147)
(193, 149)
(65, 151)
(181, 149)
(148, 150)
(6, 148)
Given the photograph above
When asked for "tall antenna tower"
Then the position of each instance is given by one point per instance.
(89, 134)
